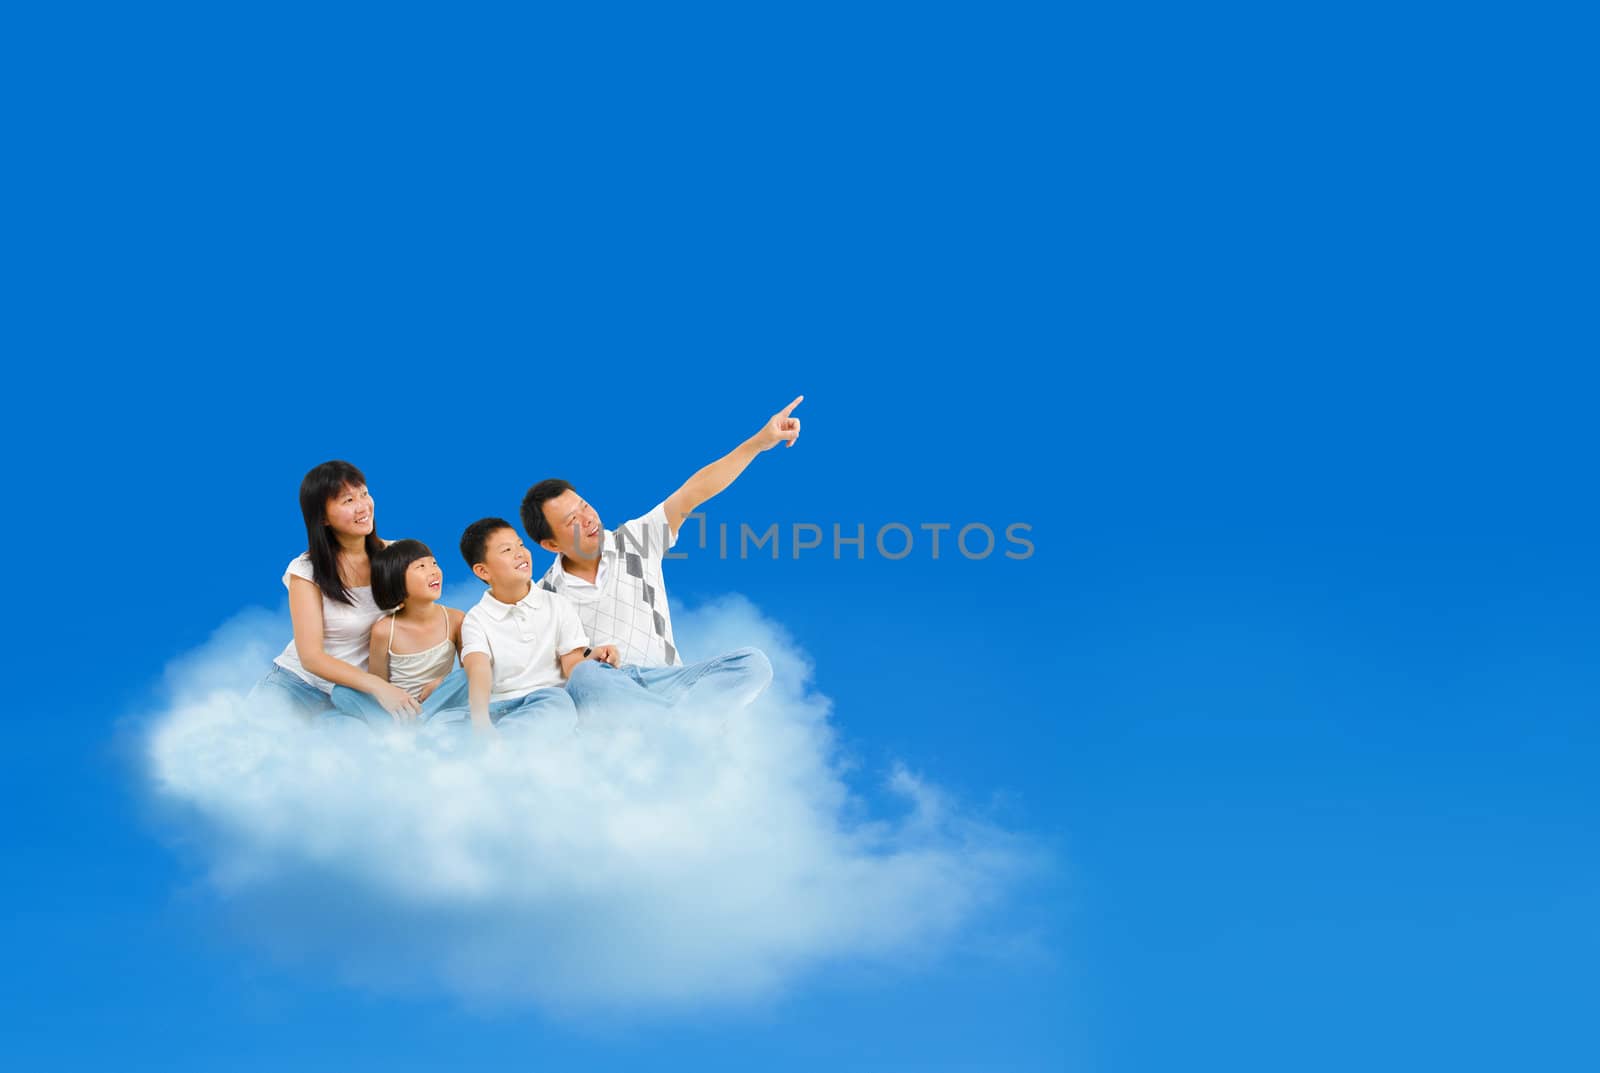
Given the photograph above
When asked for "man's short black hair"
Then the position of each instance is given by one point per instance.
(534, 522)
(389, 566)
(475, 540)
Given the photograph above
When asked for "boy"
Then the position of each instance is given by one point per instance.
(615, 580)
(519, 642)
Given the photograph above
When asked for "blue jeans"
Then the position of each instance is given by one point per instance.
(450, 693)
(733, 679)
(288, 690)
(541, 703)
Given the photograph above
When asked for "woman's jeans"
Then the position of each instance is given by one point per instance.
(288, 690)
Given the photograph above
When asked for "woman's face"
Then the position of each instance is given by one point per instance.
(349, 513)
(423, 580)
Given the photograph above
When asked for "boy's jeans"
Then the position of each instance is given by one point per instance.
(541, 703)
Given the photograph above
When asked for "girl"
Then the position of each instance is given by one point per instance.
(417, 646)
(330, 600)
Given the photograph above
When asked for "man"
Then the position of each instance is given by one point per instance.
(615, 580)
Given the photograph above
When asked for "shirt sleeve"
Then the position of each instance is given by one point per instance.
(300, 567)
(648, 534)
(569, 631)
(473, 639)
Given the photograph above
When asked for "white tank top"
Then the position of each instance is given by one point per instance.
(413, 670)
(346, 628)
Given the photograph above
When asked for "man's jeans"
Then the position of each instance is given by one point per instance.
(727, 681)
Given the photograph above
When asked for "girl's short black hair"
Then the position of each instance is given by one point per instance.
(389, 568)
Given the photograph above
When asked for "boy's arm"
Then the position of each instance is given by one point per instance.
(709, 480)
(599, 653)
(480, 679)
(572, 643)
(570, 660)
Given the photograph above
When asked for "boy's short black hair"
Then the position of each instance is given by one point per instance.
(475, 541)
(534, 522)
(389, 566)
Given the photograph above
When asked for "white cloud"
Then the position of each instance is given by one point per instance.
(686, 859)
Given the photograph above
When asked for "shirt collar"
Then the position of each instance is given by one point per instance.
(534, 601)
(608, 552)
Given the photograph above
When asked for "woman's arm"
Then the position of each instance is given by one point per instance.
(378, 658)
(305, 611)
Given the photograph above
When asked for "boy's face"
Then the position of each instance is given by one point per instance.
(507, 563)
(576, 525)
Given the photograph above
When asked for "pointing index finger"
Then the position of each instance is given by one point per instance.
(798, 399)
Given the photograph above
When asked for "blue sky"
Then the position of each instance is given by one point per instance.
(1268, 325)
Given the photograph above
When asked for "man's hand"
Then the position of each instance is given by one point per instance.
(780, 427)
(707, 481)
(605, 654)
(427, 690)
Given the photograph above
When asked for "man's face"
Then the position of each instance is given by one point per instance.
(576, 525)
(506, 561)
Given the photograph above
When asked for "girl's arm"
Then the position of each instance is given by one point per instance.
(305, 611)
(454, 617)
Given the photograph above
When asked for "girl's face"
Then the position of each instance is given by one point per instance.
(349, 513)
(423, 580)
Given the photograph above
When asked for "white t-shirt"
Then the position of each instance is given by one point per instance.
(626, 605)
(346, 628)
(523, 640)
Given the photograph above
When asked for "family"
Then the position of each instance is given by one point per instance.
(373, 644)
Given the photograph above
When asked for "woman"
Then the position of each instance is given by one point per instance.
(330, 600)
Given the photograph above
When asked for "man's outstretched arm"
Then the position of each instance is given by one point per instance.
(780, 428)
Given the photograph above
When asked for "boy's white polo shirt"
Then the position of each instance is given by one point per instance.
(522, 640)
(626, 604)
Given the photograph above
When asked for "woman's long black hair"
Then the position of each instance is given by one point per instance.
(320, 485)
